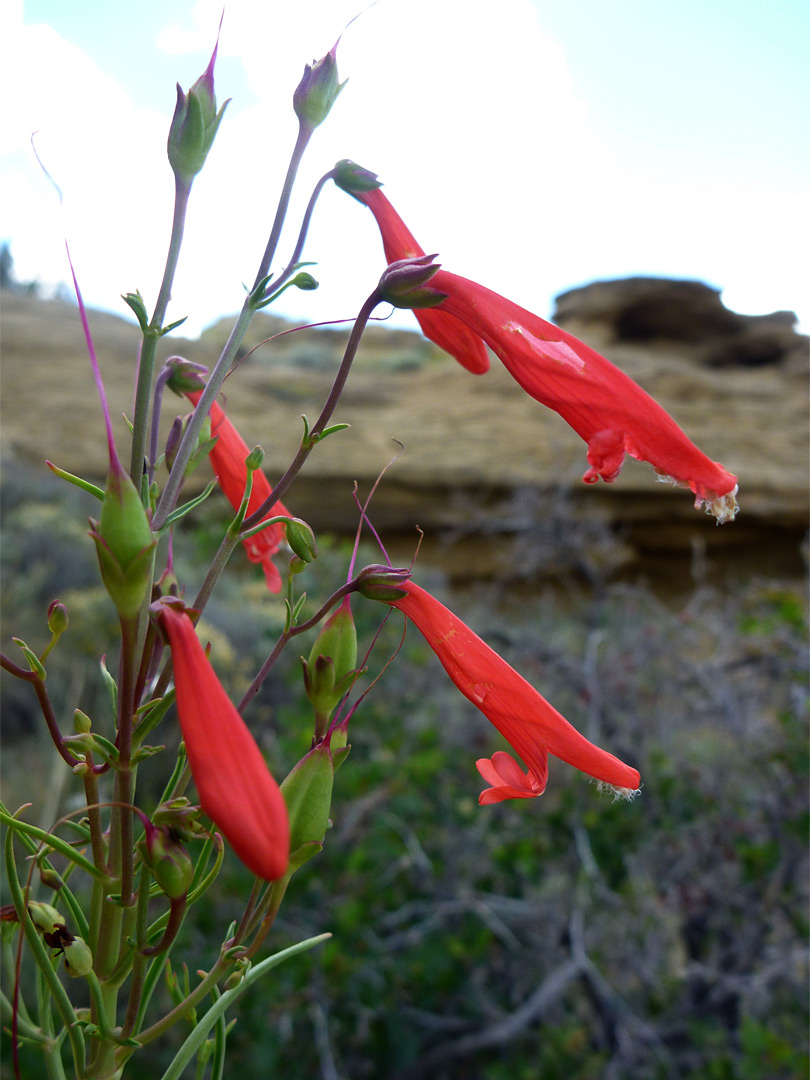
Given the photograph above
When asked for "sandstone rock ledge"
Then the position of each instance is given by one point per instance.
(491, 476)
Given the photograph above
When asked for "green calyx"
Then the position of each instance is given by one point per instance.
(194, 126)
(318, 90)
(124, 543)
(332, 665)
(307, 790)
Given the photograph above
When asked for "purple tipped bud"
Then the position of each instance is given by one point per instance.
(316, 93)
(379, 582)
(184, 375)
(353, 178)
(194, 125)
(175, 437)
(124, 543)
(57, 617)
(403, 283)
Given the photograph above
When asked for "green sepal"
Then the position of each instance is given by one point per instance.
(307, 790)
(192, 504)
(146, 752)
(302, 855)
(77, 481)
(111, 684)
(135, 301)
(340, 755)
(149, 716)
(34, 662)
(93, 743)
(172, 326)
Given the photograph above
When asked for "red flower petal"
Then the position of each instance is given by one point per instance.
(233, 782)
(508, 780)
(525, 719)
(611, 412)
(228, 462)
(440, 327)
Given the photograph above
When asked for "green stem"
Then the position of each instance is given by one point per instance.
(309, 444)
(51, 841)
(217, 377)
(304, 135)
(146, 367)
(24, 1027)
(219, 1008)
(139, 961)
(60, 998)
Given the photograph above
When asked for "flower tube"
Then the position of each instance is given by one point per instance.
(228, 462)
(235, 787)
(525, 719)
(604, 406)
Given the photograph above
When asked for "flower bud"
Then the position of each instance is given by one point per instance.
(316, 93)
(353, 178)
(305, 282)
(45, 917)
(194, 125)
(184, 375)
(331, 667)
(403, 283)
(301, 539)
(254, 459)
(78, 957)
(173, 440)
(180, 815)
(57, 617)
(168, 860)
(82, 723)
(124, 543)
(379, 582)
(307, 791)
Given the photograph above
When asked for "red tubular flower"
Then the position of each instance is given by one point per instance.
(228, 462)
(603, 405)
(440, 327)
(233, 782)
(532, 726)
(508, 780)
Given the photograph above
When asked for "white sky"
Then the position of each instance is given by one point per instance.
(535, 145)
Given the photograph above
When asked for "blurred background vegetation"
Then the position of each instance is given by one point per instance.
(569, 937)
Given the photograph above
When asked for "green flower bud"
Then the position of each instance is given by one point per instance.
(332, 665)
(307, 790)
(301, 539)
(78, 957)
(184, 375)
(378, 582)
(57, 617)
(194, 125)
(82, 724)
(316, 93)
(45, 917)
(168, 860)
(124, 543)
(352, 178)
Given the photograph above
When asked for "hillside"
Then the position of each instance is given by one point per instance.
(483, 463)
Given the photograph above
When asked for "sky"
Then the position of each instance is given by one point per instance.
(535, 145)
